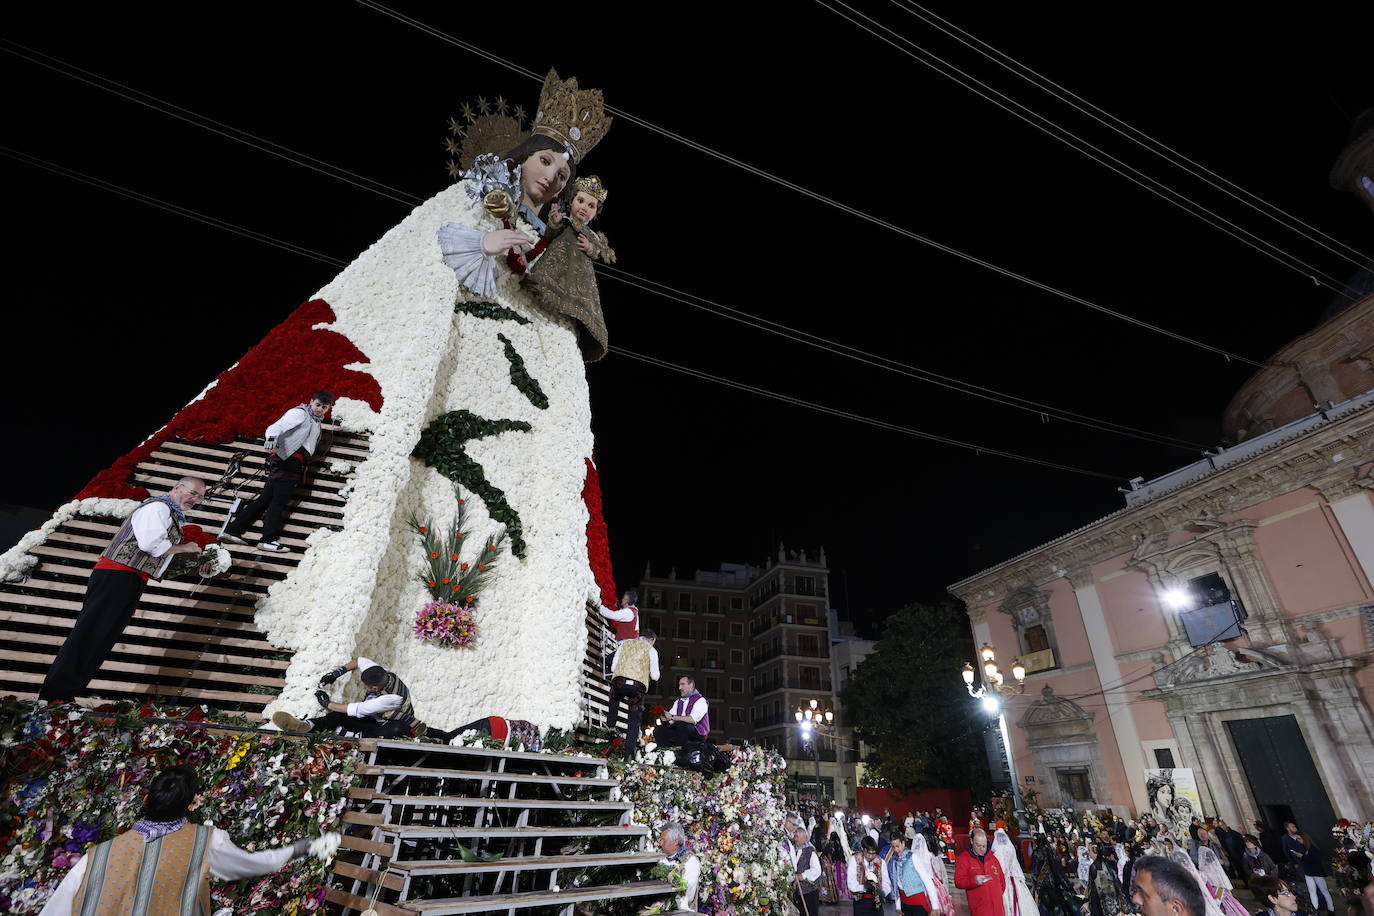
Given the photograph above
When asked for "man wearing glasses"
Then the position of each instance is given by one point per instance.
(142, 549)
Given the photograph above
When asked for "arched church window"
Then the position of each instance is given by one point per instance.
(1037, 639)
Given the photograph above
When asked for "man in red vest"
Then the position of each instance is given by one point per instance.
(624, 622)
(980, 876)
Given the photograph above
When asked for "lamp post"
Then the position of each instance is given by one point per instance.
(989, 685)
(811, 717)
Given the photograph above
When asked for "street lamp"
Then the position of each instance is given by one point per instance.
(809, 717)
(990, 685)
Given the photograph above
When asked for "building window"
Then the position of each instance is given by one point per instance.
(713, 630)
(684, 629)
(684, 601)
(736, 656)
(713, 604)
(809, 646)
(655, 624)
(737, 629)
(737, 685)
(844, 676)
(810, 678)
(656, 598)
(1037, 640)
(736, 603)
(804, 585)
(712, 687)
(1164, 758)
(712, 658)
(736, 715)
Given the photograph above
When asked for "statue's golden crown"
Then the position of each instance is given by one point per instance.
(591, 185)
(574, 117)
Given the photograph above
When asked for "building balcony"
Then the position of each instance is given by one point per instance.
(1039, 661)
(790, 683)
(827, 756)
(776, 619)
(796, 650)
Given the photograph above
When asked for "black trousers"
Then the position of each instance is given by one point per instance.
(676, 733)
(632, 692)
(270, 504)
(368, 728)
(914, 909)
(482, 726)
(111, 596)
(807, 904)
(867, 906)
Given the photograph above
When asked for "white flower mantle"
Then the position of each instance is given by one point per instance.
(355, 591)
(16, 562)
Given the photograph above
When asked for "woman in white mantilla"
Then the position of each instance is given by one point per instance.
(1016, 899)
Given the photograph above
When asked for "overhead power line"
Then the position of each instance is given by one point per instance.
(168, 207)
(971, 389)
(227, 226)
(858, 418)
(1132, 133)
(816, 196)
(171, 109)
(365, 183)
(1095, 153)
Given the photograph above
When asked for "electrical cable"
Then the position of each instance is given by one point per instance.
(171, 109)
(1045, 411)
(1132, 133)
(1098, 155)
(858, 418)
(821, 198)
(296, 249)
(151, 201)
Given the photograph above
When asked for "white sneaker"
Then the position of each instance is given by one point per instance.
(273, 547)
(228, 538)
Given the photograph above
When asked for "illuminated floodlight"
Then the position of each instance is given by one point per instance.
(1177, 599)
(991, 705)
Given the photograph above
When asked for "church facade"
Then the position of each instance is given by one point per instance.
(1222, 622)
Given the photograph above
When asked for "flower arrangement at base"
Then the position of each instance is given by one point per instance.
(69, 779)
(733, 823)
(453, 582)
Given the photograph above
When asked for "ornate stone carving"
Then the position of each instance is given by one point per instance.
(1050, 709)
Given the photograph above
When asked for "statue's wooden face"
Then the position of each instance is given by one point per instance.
(543, 175)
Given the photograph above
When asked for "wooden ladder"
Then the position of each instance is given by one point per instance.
(548, 816)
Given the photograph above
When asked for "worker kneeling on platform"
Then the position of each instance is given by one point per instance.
(385, 712)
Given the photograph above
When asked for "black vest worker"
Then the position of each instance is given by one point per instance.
(291, 442)
(385, 711)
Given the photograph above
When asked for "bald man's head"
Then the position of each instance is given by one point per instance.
(187, 492)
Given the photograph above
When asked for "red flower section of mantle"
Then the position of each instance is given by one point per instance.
(281, 371)
(598, 543)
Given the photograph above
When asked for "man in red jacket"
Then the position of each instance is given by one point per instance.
(980, 876)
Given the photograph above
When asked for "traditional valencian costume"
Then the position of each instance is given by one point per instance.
(139, 551)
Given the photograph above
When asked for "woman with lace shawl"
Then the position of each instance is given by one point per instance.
(1105, 897)
(1216, 883)
(1048, 883)
(1213, 907)
(938, 878)
(1016, 899)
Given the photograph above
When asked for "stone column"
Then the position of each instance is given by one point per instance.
(1120, 721)
(1250, 579)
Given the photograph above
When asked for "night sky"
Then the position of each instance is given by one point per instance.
(120, 313)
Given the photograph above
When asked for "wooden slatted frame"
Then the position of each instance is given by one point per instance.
(188, 642)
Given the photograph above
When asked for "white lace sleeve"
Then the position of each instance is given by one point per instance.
(462, 250)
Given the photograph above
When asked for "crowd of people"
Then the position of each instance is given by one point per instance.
(1102, 865)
